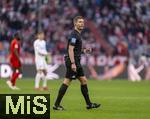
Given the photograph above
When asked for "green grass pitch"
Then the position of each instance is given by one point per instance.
(120, 99)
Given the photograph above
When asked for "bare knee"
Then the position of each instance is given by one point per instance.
(39, 71)
(67, 81)
(83, 80)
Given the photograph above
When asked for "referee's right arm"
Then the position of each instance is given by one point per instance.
(71, 56)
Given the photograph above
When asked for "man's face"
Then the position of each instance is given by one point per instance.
(41, 36)
(80, 24)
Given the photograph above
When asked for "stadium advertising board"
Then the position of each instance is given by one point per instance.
(56, 69)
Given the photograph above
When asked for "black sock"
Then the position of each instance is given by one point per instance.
(84, 91)
(61, 93)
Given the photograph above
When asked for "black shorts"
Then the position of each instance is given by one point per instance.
(70, 74)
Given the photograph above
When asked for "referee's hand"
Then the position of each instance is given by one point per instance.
(88, 50)
(73, 67)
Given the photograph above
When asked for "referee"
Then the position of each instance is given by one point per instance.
(73, 66)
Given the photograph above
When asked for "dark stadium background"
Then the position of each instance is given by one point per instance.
(113, 28)
(118, 31)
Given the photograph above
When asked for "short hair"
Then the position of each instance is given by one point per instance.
(40, 32)
(17, 35)
(76, 18)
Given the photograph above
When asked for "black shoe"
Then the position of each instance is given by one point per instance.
(60, 108)
(93, 105)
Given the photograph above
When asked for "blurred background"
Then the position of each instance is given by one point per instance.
(118, 31)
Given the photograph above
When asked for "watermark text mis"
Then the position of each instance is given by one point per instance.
(25, 106)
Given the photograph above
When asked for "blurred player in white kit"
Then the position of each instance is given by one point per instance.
(41, 55)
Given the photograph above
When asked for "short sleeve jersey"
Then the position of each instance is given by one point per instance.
(74, 39)
(14, 45)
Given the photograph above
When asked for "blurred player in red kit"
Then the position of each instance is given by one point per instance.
(15, 61)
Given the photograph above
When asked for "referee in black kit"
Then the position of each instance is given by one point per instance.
(73, 66)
